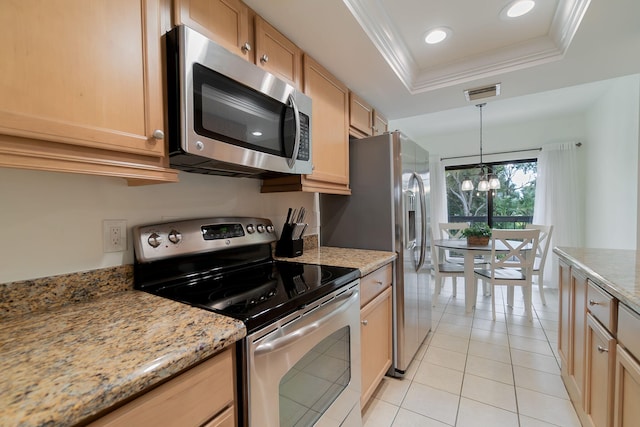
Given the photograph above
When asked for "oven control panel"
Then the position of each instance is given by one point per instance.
(169, 239)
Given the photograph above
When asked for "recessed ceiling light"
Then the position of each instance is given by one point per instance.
(517, 8)
(437, 35)
(256, 133)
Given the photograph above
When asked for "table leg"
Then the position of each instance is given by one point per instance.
(469, 281)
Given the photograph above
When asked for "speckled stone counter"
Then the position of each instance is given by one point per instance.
(61, 367)
(617, 271)
(364, 260)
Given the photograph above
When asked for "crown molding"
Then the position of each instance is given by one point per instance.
(374, 20)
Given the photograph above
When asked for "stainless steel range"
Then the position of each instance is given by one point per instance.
(300, 362)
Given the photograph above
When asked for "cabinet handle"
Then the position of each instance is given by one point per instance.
(592, 302)
(158, 134)
(365, 322)
(379, 282)
(264, 59)
(601, 349)
(246, 47)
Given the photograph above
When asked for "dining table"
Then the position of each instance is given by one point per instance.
(469, 252)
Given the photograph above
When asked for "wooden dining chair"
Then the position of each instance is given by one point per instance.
(541, 255)
(511, 264)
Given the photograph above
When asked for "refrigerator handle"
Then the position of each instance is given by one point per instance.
(423, 220)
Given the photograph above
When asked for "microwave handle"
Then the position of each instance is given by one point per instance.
(296, 145)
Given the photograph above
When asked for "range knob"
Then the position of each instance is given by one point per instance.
(154, 240)
(251, 229)
(269, 228)
(175, 236)
(260, 228)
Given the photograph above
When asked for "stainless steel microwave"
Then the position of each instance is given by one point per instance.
(230, 117)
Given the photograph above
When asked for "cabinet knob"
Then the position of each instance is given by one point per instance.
(158, 134)
(601, 349)
(592, 302)
(365, 322)
(246, 47)
(264, 59)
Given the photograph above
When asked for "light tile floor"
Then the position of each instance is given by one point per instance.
(475, 372)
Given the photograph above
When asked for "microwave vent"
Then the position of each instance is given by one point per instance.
(482, 92)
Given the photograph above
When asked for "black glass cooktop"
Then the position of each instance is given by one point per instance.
(257, 294)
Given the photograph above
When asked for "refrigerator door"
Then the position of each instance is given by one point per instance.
(388, 211)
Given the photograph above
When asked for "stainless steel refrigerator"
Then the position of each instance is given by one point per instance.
(388, 210)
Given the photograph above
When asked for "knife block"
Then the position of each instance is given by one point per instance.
(286, 246)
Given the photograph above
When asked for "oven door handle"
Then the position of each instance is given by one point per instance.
(334, 308)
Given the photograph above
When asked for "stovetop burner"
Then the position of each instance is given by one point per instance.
(240, 281)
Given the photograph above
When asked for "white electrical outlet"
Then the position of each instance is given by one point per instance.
(114, 235)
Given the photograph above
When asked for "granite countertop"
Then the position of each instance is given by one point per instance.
(616, 270)
(364, 260)
(62, 367)
(74, 346)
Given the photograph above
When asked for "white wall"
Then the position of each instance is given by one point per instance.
(52, 222)
(609, 131)
(612, 167)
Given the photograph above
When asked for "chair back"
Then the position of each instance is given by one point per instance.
(514, 249)
(452, 230)
(543, 242)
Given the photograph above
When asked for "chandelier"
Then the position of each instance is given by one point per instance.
(485, 182)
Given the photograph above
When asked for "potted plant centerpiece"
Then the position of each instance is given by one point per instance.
(478, 234)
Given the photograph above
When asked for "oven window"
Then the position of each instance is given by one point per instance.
(231, 112)
(312, 384)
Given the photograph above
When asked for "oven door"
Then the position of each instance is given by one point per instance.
(305, 370)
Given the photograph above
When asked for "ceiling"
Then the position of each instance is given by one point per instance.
(550, 61)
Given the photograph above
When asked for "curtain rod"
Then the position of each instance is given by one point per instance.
(578, 144)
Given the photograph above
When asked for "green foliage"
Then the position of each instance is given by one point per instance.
(479, 229)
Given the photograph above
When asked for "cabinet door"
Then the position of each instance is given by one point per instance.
(360, 116)
(277, 54)
(578, 328)
(600, 365)
(224, 21)
(380, 123)
(564, 295)
(84, 73)
(627, 392)
(375, 342)
(330, 126)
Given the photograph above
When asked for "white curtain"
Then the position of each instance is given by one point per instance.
(558, 200)
(438, 195)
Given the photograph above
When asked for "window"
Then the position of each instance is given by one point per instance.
(510, 206)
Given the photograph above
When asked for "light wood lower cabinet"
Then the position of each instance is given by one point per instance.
(599, 346)
(571, 340)
(81, 88)
(599, 369)
(626, 406)
(375, 329)
(202, 396)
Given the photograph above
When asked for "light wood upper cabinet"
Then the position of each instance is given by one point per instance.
(329, 136)
(81, 88)
(277, 54)
(227, 22)
(360, 117)
(364, 120)
(235, 26)
(380, 123)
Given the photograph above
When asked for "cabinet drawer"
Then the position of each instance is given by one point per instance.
(373, 283)
(602, 306)
(190, 399)
(629, 330)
